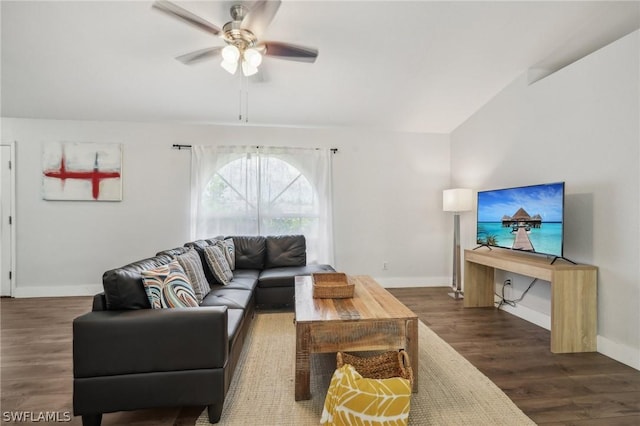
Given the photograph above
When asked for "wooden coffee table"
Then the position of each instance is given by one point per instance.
(373, 320)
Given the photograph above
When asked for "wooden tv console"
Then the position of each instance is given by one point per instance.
(574, 306)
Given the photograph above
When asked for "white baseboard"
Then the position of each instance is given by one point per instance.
(57, 291)
(535, 317)
(392, 282)
(621, 353)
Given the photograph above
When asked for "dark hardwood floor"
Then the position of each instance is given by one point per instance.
(568, 389)
(552, 389)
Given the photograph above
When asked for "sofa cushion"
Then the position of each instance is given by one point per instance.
(218, 264)
(285, 250)
(229, 250)
(123, 288)
(285, 277)
(244, 279)
(246, 273)
(168, 286)
(233, 299)
(250, 252)
(192, 265)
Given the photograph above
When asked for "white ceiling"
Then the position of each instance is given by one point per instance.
(419, 66)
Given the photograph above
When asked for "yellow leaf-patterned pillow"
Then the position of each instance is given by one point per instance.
(354, 400)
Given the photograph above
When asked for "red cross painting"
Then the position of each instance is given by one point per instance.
(82, 171)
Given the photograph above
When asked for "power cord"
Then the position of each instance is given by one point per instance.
(502, 297)
(505, 301)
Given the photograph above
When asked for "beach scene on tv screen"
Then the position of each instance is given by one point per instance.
(527, 218)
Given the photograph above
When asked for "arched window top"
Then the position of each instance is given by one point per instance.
(269, 192)
(282, 187)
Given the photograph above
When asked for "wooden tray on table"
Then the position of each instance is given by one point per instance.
(332, 285)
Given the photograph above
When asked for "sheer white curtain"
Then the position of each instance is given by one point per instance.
(249, 190)
(216, 197)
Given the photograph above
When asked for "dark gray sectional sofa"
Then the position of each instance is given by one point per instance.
(127, 356)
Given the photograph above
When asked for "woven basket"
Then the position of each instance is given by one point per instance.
(383, 366)
(332, 285)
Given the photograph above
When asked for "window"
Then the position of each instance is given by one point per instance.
(286, 203)
(263, 191)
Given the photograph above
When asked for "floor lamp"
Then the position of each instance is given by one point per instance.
(456, 201)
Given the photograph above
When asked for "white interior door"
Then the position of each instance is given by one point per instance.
(5, 220)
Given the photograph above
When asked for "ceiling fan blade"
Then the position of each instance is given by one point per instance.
(199, 55)
(178, 12)
(260, 16)
(290, 52)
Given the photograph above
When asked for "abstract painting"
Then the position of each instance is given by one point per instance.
(82, 171)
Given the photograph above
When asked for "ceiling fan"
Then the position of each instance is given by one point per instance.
(241, 35)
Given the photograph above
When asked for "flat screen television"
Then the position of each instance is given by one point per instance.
(526, 218)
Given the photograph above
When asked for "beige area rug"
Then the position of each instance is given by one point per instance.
(451, 391)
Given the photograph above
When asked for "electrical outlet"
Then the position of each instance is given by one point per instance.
(508, 289)
(385, 265)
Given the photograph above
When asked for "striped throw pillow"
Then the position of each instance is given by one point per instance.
(192, 265)
(218, 264)
(229, 250)
(167, 286)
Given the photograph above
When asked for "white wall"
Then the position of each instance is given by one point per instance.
(580, 125)
(387, 189)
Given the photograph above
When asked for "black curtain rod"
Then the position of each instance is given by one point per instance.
(179, 147)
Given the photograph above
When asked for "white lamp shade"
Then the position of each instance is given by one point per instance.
(231, 67)
(253, 57)
(457, 200)
(231, 53)
(248, 69)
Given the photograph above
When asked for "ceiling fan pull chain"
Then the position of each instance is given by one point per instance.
(244, 99)
(240, 100)
(240, 104)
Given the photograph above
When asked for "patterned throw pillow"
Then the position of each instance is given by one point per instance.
(192, 265)
(229, 250)
(167, 286)
(217, 261)
(353, 400)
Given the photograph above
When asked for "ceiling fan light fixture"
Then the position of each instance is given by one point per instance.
(253, 57)
(229, 66)
(248, 69)
(241, 36)
(231, 54)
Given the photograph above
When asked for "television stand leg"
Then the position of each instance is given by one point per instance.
(563, 258)
(483, 245)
